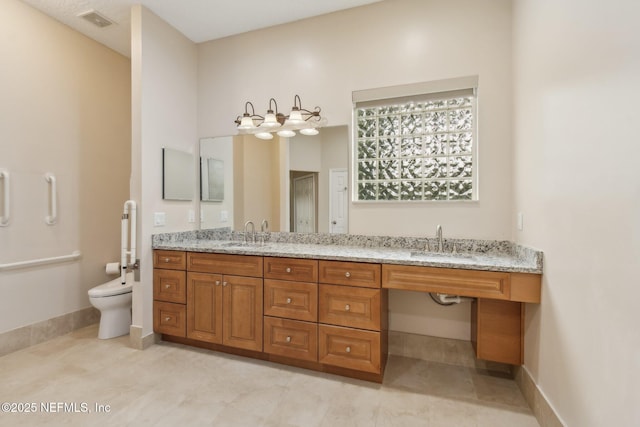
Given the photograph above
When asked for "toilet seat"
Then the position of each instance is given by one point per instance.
(112, 288)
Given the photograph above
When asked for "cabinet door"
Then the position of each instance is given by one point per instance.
(242, 312)
(204, 307)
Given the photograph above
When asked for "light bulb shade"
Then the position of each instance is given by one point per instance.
(309, 131)
(270, 121)
(246, 123)
(286, 133)
(264, 135)
(295, 117)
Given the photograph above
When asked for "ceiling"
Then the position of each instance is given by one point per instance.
(199, 20)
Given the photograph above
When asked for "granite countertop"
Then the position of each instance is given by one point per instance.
(487, 255)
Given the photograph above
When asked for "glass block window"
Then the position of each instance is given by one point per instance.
(416, 150)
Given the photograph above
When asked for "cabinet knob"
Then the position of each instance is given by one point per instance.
(288, 300)
(167, 260)
(166, 319)
(347, 274)
(347, 307)
(217, 282)
(288, 339)
(224, 283)
(348, 349)
(288, 270)
(167, 286)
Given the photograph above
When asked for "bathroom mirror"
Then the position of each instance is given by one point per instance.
(211, 179)
(297, 184)
(177, 175)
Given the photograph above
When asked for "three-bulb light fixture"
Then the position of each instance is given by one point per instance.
(299, 119)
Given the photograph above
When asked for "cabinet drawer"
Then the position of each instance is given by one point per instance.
(172, 260)
(350, 273)
(238, 265)
(169, 318)
(291, 338)
(301, 270)
(470, 283)
(293, 300)
(349, 348)
(169, 285)
(349, 306)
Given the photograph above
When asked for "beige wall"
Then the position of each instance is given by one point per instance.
(577, 182)
(383, 44)
(164, 88)
(64, 109)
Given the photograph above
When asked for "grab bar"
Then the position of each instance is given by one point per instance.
(53, 210)
(4, 218)
(42, 261)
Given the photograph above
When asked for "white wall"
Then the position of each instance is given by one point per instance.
(64, 109)
(324, 59)
(164, 103)
(577, 181)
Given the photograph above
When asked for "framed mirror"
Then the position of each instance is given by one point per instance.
(177, 175)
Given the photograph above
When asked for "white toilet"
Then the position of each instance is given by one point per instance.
(113, 299)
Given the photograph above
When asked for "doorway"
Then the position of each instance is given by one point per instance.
(304, 201)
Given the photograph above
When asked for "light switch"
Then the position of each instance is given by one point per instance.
(159, 219)
(191, 216)
(224, 216)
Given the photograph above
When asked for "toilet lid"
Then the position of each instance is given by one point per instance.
(113, 287)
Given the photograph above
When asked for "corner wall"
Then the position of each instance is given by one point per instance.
(164, 102)
(577, 182)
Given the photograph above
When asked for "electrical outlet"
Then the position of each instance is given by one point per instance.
(159, 219)
(520, 221)
(192, 216)
(224, 216)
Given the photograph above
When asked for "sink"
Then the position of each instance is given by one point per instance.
(442, 255)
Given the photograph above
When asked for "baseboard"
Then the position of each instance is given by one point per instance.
(137, 341)
(33, 334)
(542, 409)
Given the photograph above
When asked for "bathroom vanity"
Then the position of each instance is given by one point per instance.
(325, 306)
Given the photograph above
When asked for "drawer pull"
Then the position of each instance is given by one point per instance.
(217, 282)
(167, 286)
(288, 339)
(166, 319)
(224, 283)
(347, 307)
(288, 300)
(348, 349)
(288, 270)
(347, 274)
(167, 260)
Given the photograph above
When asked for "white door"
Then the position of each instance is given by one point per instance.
(338, 201)
(304, 204)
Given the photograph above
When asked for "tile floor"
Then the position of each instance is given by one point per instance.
(173, 385)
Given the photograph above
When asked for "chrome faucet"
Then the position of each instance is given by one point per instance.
(253, 231)
(264, 228)
(439, 237)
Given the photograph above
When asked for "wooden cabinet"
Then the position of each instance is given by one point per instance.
(348, 306)
(350, 348)
(225, 309)
(350, 274)
(237, 265)
(497, 330)
(300, 270)
(169, 293)
(291, 300)
(291, 338)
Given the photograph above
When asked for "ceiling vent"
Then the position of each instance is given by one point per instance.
(96, 19)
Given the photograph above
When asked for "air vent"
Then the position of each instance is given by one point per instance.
(96, 19)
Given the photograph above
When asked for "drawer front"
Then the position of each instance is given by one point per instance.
(171, 260)
(291, 338)
(470, 283)
(350, 273)
(293, 300)
(238, 265)
(169, 318)
(169, 286)
(349, 348)
(300, 270)
(348, 306)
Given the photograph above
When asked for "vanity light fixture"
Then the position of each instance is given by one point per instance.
(299, 119)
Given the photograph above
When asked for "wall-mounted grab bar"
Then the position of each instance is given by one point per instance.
(53, 195)
(4, 218)
(42, 261)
